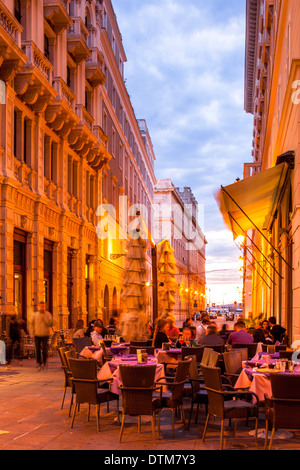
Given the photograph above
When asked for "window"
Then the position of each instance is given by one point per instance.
(17, 8)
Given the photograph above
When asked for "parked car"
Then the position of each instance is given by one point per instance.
(213, 315)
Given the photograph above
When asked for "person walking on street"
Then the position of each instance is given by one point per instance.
(42, 321)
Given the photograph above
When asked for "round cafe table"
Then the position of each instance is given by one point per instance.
(111, 370)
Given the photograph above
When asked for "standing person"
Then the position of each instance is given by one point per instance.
(42, 321)
(277, 331)
(15, 339)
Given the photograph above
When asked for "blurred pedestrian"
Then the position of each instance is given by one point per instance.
(41, 323)
(211, 338)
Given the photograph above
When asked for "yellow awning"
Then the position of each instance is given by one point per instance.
(252, 202)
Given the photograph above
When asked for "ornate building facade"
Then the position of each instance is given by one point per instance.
(264, 207)
(71, 148)
(176, 219)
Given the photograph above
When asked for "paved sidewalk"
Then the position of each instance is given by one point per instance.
(31, 418)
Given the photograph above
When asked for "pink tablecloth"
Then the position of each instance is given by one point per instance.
(97, 353)
(260, 383)
(112, 370)
(174, 355)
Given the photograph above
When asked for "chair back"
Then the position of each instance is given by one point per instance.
(205, 356)
(233, 362)
(70, 354)
(213, 384)
(137, 388)
(148, 349)
(213, 358)
(139, 343)
(81, 343)
(280, 347)
(286, 388)
(61, 353)
(243, 352)
(286, 355)
(181, 377)
(271, 349)
(187, 352)
(84, 377)
(218, 348)
(193, 372)
(69, 336)
(251, 347)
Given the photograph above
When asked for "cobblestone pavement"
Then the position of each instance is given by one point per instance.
(31, 418)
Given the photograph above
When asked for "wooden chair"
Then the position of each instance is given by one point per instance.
(84, 377)
(222, 408)
(137, 393)
(282, 410)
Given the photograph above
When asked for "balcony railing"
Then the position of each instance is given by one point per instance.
(37, 59)
(64, 92)
(9, 23)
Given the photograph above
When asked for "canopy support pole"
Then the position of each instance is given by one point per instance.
(255, 226)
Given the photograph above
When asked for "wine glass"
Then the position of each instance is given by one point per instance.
(181, 340)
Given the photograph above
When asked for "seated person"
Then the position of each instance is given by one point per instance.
(79, 329)
(212, 338)
(112, 328)
(186, 339)
(96, 334)
(173, 332)
(240, 334)
(160, 333)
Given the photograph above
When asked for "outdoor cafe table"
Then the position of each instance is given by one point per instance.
(255, 375)
(169, 356)
(96, 352)
(111, 370)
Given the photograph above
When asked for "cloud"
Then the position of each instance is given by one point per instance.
(185, 76)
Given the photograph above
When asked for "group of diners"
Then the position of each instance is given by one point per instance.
(208, 334)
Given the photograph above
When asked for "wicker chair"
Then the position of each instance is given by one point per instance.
(187, 352)
(106, 357)
(221, 408)
(242, 351)
(206, 356)
(137, 394)
(286, 355)
(199, 394)
(174, 398)
(81, 343)
(139, 343)
(251, 347)
(84, 377)
(233, 365)
(68, 376)
(282, 410)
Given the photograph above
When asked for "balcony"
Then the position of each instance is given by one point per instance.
(60, 114)
(77, 41)
(57, 15)
(11, 55)
(93, 68)
(33, 82)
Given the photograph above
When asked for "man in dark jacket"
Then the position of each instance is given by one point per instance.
(277, 331)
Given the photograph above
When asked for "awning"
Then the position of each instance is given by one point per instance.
(252, 202)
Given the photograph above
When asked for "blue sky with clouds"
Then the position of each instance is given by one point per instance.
(185, 76)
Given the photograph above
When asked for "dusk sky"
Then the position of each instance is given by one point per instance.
(185, 76)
